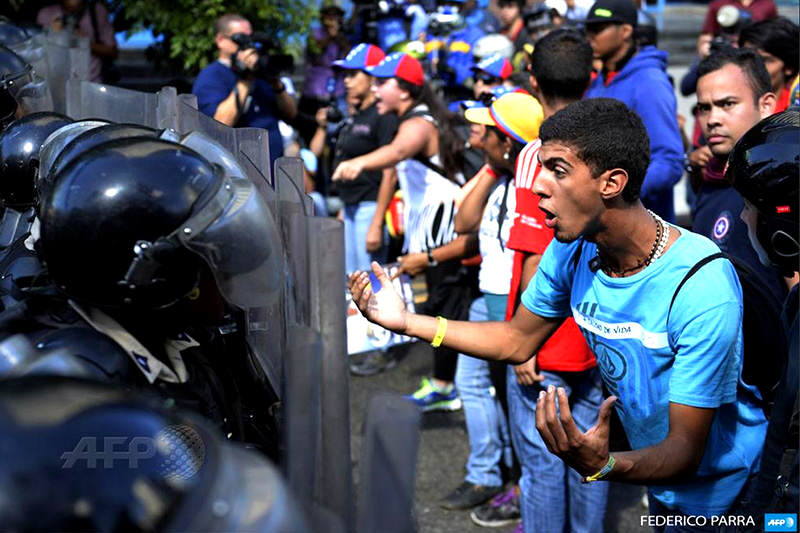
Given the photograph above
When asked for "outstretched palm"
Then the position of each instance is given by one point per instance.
(384, 307)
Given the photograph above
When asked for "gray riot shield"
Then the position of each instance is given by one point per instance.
(67, 58)
(115, 104)
(251, 144)
(295, 210)
(388, 465)
(326, 284)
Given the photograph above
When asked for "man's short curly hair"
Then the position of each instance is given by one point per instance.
(604, 134)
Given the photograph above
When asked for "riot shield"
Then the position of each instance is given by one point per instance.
(326, 280)
(388, 466)
(67, 59)
(294, 208)
(302, 410)
(115, 104)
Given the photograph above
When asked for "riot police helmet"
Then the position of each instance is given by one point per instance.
(85, 140)
(764, 167)
(11, 34)
(92, 457)
(20, 143)
(147, 216)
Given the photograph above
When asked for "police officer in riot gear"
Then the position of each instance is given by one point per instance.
(20, 142)
(178, 258)
(764, 167)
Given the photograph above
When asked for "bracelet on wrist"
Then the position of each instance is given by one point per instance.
(441, 330)
(603, 472)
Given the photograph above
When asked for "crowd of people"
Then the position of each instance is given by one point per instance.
(586, 336)
(520, 157)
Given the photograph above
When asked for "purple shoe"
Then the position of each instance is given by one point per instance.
(502, 510)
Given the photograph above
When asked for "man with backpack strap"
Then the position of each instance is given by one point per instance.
(696, 430)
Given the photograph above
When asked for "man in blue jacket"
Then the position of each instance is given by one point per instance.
(638, 78)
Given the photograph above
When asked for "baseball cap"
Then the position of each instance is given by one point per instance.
(518, 115)
(496, 65)
(619, 11)
(360, 57)
(401, 66)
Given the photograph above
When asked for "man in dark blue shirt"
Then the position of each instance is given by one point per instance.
(227, 90)
(733, 94)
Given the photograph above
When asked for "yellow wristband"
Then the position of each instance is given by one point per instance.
(603, 472)
(441, 329)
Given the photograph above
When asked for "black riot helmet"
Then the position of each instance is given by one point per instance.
(88, 457)
(145, 216)
(84, 141)
(764, 166)
(20, 143)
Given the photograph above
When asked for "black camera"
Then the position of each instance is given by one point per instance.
(271, 63)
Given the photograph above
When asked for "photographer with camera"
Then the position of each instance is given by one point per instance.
(243, 88)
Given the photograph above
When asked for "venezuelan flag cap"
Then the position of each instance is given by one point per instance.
(401, 66)
(360, 57)
(518, 115)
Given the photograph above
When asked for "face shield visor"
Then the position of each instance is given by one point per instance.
(19, 79)
(56, 142)
(235, 234)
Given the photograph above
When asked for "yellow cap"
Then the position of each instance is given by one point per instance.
(518, 115)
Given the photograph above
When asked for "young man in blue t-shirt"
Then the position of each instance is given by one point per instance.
(695, 428)
(228, 91)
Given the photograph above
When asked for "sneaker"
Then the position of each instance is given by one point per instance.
(431, 398)
(503, 510)
(468, 495)
(374, 363)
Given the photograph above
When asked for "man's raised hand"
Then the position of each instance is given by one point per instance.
(384, 307)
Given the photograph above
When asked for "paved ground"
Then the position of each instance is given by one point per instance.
(443, 453)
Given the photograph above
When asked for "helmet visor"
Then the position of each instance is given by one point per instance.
(236, 234)
(57, 140)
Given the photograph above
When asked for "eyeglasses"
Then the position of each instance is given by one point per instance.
(488, 79)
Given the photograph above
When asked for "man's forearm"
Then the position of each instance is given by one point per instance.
(666, 462)
(674, 459)
(494, 341)
(459, 248)
(228, 111)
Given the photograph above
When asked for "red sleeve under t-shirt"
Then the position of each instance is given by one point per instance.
(566, 350)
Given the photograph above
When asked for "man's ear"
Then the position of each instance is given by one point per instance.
(534, 84)
(627, 31)
(766, 104)
(612, 182)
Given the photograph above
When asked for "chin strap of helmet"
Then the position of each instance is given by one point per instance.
(149, 256)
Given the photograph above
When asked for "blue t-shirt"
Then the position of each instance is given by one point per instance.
(624, 323)
(215, 83)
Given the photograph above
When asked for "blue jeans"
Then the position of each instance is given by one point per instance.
(487, 428)
(553, 499)
(357, 218)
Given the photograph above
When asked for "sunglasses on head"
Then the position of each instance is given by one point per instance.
(487, 78)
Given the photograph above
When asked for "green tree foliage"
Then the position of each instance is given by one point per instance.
(188, 25)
